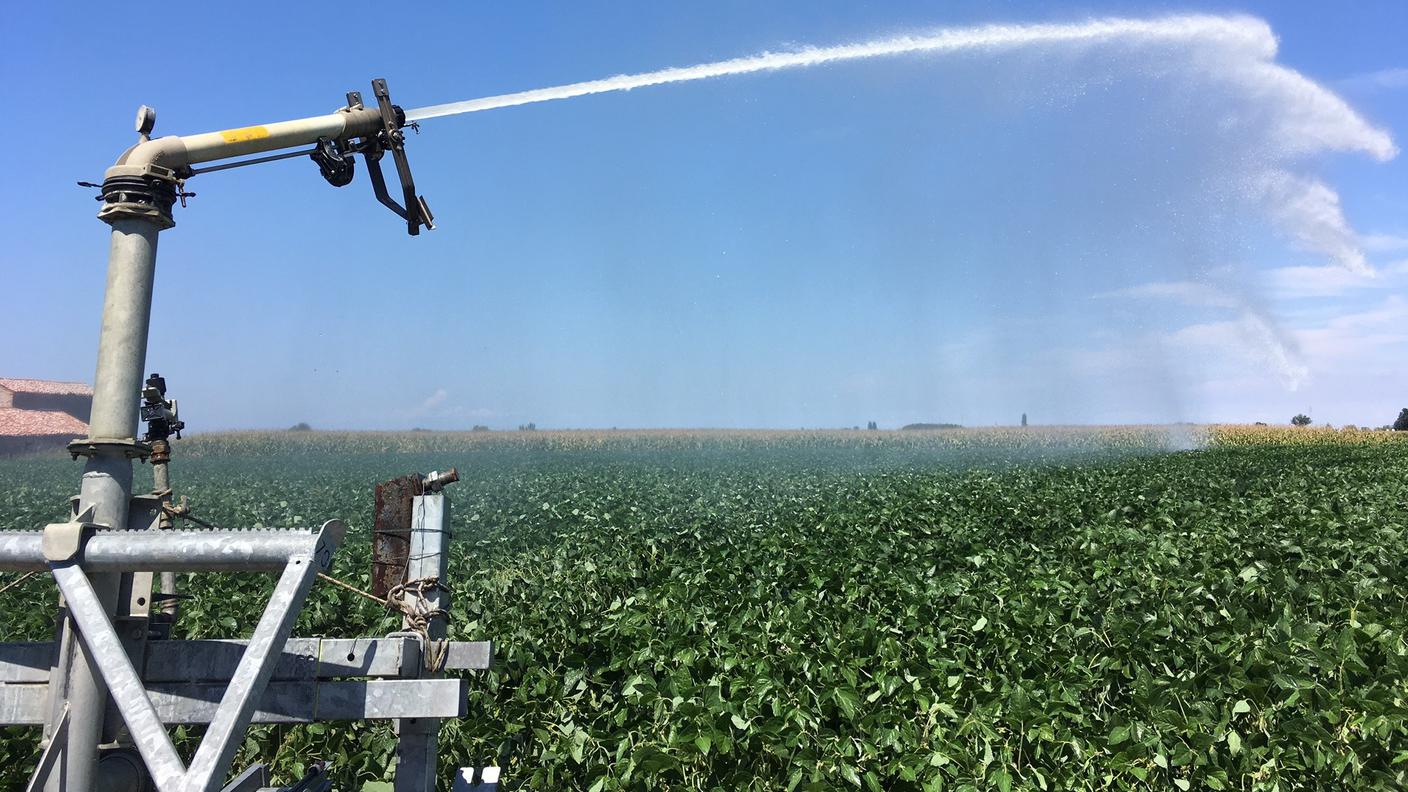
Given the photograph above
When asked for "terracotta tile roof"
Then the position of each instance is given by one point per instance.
(39, 423)
(47, 387)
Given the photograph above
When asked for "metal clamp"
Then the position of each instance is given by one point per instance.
(145, 191)
(111, 446)
(64, 541)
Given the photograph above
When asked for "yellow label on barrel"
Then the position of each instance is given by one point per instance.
(244, 133)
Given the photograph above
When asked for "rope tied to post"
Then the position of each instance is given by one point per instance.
(410, 599)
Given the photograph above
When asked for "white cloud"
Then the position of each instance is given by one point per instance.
(1289, 283)
(438, 410)
(1250, 338)
(1384, 243)
(1184, 292)
(434, 400)
(1353, 339)
(1381, 80)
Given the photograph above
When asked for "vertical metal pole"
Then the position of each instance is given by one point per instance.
(430, 542)
(107, 476)
(161, 483)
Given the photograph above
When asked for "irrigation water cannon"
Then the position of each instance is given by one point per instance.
(114, 679)
(153, 173)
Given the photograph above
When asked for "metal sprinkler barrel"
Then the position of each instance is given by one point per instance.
(437, 481)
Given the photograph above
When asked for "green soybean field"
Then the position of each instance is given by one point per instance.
(964, 610)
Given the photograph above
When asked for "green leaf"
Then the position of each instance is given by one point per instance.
(847, 700)
(980, 624)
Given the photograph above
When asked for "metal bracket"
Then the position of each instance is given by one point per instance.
(64, 541)
(415, 212)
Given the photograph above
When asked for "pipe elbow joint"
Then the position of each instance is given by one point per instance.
(167, 152)
(143, 184)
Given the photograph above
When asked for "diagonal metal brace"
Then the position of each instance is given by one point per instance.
(124, 685)
(49, 759)
(217, 748)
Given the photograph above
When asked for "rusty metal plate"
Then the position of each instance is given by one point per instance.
(391, 534)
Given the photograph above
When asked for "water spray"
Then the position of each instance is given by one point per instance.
(1232, 51)
(1237, 32)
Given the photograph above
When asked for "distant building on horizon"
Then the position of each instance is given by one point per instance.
(42, 414)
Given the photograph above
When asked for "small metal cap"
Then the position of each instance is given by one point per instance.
(146, 120)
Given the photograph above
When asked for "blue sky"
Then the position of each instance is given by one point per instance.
(1116, 232)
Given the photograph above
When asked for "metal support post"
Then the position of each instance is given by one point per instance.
(106, 487)
(425, 568)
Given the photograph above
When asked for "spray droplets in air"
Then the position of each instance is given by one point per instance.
(1281, 118)
(1241, 35)
(1237, 49)
(1305, 117)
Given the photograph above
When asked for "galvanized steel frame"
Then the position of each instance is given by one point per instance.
(207, 769)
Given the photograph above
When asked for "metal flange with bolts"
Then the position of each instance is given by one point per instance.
(107, 688)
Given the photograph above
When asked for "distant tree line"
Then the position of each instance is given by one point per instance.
(915, 426)
(1399, 425)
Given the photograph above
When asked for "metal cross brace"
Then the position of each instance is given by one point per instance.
(212, 759)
